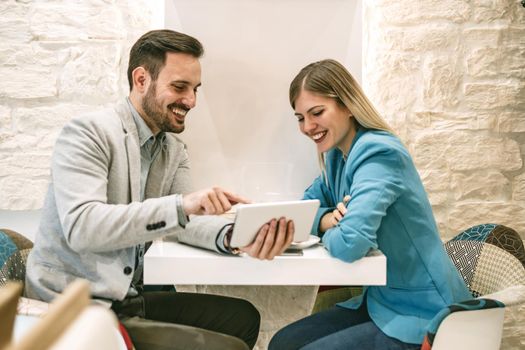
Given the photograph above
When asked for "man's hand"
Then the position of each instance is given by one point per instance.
(210, 201)
(331, 219)
(272, 239)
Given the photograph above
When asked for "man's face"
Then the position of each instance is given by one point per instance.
(173, 94)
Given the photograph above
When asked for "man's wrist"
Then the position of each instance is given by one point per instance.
(183, 219)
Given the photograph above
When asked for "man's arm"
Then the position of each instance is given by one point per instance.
(91, 188)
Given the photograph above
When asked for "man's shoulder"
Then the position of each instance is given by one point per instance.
(107, 116)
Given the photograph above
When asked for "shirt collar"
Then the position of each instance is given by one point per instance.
(143, 129)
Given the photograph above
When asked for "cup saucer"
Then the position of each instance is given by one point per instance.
(313, 240)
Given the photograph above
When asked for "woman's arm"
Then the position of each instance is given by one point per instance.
(376, 183)
(319, 190)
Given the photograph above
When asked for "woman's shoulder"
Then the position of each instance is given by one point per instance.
(378, 142)
(372, 141)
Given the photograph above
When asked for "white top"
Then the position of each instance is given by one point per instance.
(169, 262)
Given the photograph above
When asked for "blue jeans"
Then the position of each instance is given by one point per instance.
(337, 328)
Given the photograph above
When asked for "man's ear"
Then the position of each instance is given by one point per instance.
(140, 79)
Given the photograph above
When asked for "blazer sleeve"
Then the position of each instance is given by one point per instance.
(376, 183)
(319, 190)
(83, 155)
(202, 230)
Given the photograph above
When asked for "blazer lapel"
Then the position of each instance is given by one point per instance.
(132, 150)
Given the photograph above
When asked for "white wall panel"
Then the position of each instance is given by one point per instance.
(242, 134)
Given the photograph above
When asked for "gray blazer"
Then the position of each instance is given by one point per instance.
(92, 218)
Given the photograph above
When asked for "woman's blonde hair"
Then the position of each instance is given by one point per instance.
(330, 78)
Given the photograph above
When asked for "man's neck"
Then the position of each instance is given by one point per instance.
(136, 101)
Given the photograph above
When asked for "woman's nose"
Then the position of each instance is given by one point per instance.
(308, 125)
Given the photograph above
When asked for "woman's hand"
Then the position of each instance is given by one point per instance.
(332, 218)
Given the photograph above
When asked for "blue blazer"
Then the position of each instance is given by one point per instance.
(388, 210)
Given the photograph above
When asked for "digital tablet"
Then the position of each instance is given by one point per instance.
(249, 218)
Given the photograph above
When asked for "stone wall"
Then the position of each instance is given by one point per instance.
(449, 75)
(57, 58)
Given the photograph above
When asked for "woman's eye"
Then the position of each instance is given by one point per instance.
(318, 113)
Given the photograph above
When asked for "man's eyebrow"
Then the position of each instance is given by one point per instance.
(185, 82)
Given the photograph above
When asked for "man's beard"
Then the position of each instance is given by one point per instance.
(154, 112)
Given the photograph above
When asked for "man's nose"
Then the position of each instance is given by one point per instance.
(190, 100)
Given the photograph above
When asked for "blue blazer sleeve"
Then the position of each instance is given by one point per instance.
(319, 190)
(374, 178)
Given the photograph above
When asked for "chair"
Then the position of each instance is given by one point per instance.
(491, 260)
(14, 249)
(70, 323)
(9, 294)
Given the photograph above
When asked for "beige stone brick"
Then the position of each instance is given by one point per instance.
(453, 120)
(502, 62)
(511, 122)
(5, 118)
(22, 193)
(518, 188)
(494, 10)
(461, 151)
(393, 83)
(10, 141)
(480, 185)
(414, 11)
(25, 164)
(481, 37)
(465, 215)
(504, 94)
(514, 35)
(28, 82)
(441, 82)
(76, 21)
(91, 73)
(14, 24)
(421, 38)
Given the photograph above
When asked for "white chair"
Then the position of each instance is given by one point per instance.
(71, 323)
(491, 260)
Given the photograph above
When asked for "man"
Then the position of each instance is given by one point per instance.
(119, 178)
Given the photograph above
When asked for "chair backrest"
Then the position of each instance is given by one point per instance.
(475, 329)
(9, 294)
(14, 249)
(489, 257)
(71, 323)
(62, 312)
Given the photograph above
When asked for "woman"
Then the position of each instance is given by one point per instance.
(371, 197)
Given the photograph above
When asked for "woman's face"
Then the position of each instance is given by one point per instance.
(324, 121)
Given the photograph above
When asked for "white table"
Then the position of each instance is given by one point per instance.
(168, 262)
(283, 290)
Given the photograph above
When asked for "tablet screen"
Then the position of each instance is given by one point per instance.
(249, 218)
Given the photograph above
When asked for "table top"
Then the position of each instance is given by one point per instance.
(169, 262)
